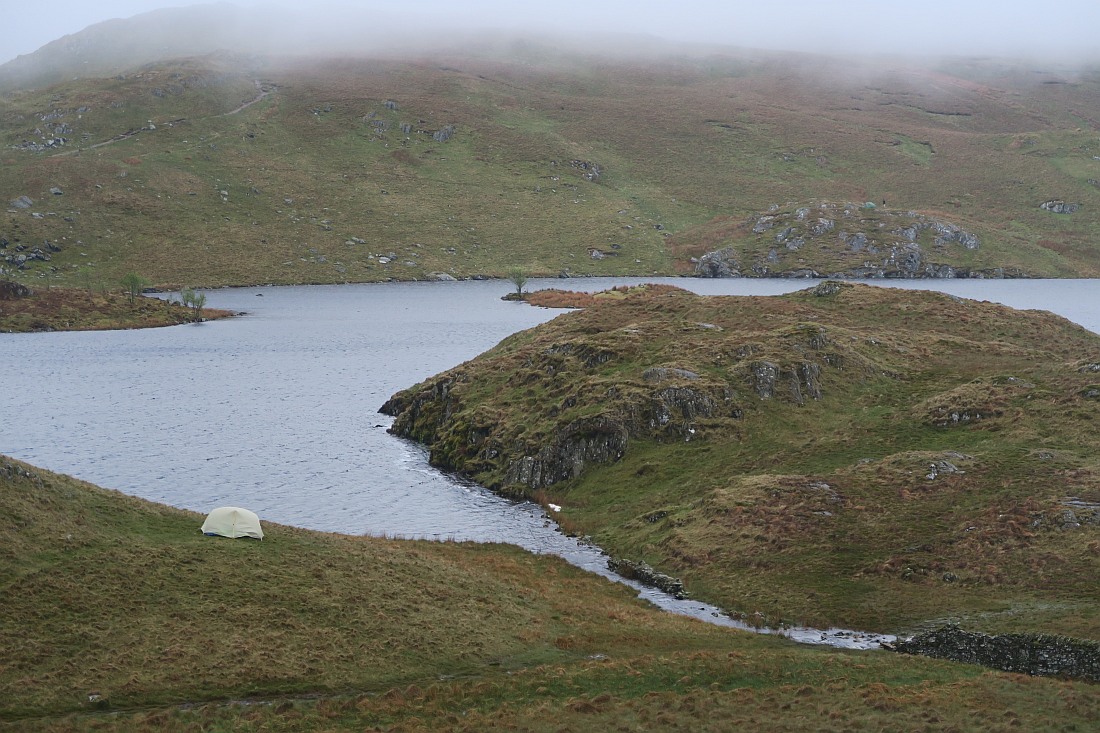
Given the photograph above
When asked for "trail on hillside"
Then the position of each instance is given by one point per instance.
(262, 93)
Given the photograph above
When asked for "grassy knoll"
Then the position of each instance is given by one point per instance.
(69, 309)
(116, 614)
(867, 457)
(338, 171)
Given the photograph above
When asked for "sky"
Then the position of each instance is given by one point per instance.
(1067, 30)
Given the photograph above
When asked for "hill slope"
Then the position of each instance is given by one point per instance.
(119, 615)
(866, 457)
(229, 169)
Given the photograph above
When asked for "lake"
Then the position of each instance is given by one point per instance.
(276, 411)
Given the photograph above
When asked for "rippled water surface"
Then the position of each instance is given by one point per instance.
(276, 411)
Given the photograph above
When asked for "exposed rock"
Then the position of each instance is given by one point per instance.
(798, 382)
(14, 471)
(10, 290)
(720, 263)
(763, 224)
(56, 191)
(889, 243)
(592, 171)
(23, 202)
(1034, 654)
(856, 242)
(1058, 206)
(765, 375)
(936, 468)
(1067, 520)
(827, 288)
(596, 440)
(441, 277)
(646, 575)
(662, 374)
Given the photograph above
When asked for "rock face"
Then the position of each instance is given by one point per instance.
(598, 440)
(849, 241)
(1034, 654)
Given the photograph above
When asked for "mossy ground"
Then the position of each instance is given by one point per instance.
(119, 615)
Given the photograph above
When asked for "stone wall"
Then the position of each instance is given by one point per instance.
(1034, 654)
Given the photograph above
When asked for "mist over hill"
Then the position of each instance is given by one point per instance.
(212, 145)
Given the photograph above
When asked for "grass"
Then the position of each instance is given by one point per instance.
(926, 481)
(119, 615)
(316, 192)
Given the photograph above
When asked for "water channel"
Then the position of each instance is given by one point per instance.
(276, 410)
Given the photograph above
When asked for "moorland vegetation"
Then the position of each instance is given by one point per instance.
(872, 458)
(230, 169)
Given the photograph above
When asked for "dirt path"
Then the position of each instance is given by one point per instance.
(261, 95)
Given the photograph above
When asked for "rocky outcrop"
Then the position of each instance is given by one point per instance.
(1058, 206)
(646, 575)
(877, 243)
(10, 290)
(20, 255)
(720, 263)
(656, 375)
(1034, 654)
(595, 440)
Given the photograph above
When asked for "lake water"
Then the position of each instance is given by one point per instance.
(276, 411)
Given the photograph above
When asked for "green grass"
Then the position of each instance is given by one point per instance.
(119, 615)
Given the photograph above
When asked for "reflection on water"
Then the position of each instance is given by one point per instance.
(277, 411)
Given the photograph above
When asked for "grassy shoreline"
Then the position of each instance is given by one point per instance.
(68, 309)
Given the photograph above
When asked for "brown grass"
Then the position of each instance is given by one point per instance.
(67, 309)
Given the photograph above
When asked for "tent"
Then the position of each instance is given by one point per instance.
(231, 521)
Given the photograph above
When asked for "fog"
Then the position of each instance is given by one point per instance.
(1010, 28)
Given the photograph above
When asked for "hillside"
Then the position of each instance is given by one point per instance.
(118, 615)
(232, 168)
(865, 457)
